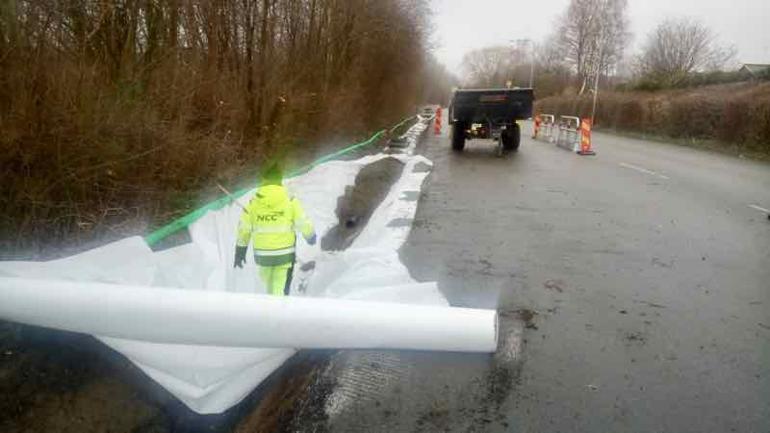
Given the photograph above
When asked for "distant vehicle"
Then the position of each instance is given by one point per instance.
(489, 113)
(428, 111)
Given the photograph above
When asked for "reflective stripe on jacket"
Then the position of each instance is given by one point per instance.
(270, 222)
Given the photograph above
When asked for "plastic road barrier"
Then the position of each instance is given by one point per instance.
(585, 141)
(569, 133)
(545, 127)
(536, 131)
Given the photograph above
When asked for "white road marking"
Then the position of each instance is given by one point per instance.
(639, 169)
(759, 208)
(643, 170)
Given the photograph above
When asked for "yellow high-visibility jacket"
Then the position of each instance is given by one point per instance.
(270, 222)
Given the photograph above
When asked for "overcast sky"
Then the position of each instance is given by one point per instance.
(462, 25)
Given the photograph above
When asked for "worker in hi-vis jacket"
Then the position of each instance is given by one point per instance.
(270, 222)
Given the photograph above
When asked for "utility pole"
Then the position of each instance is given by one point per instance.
(599, 63)
(598, 72)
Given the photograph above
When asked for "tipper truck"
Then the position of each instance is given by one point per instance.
(489, 113)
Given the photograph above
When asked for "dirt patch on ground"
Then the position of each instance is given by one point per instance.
(525, 315)
(557, 285)
(634, 338)
(288, 395)
(360, 201)
(67, 382)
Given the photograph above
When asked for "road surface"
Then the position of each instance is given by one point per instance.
(634, 288)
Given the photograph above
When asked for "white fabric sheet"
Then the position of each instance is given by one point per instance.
(199, 327)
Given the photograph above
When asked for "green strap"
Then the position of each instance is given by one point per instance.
(185, 220)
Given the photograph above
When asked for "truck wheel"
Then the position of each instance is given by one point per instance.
(458, 137)
(511, 138)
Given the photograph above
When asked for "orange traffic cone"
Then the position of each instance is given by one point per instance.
(537, 127)
(585, 141)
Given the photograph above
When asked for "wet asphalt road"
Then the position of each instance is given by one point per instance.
(646, 269)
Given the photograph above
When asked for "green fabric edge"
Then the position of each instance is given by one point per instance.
(185, 220)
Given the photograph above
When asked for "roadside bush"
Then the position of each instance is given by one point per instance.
(734, 125)
(737, 114)
(693, 117)
(654, 83)
(630, 115)
(758, 133)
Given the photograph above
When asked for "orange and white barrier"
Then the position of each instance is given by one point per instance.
(437, 125)
(585, 140)
(545, 127)
(569, 133)
(548, 127)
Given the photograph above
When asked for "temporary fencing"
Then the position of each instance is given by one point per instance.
(569, 133)
(548, 127)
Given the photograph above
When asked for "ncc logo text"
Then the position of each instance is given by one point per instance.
(273, 217)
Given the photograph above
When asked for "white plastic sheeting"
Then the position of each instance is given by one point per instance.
(192, 322)
(178, 316)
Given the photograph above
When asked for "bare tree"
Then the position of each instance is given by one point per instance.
(491, 66)
(553, 72)
(550, 54)
(680, 47)
(438, 82)
(143, 101)
(592, 37)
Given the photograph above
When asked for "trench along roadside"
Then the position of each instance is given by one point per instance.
(301, 385)
(50, 379)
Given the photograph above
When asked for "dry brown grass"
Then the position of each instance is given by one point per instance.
(81, 159)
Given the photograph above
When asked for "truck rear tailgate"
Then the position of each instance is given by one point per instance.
(492, 105)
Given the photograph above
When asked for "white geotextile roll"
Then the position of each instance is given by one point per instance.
(213, 318)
